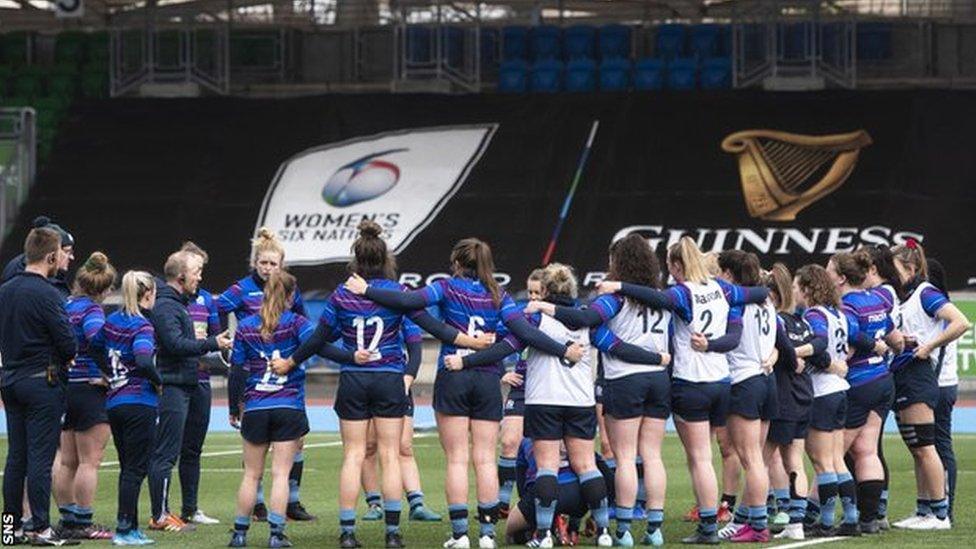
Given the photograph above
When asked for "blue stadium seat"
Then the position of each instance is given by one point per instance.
(452, 45)
(795, 40)
(873, 41)
(545, 42)
(681, 73)
(753, 41)
(546, 76)
(670, 41)
(706, 41)
(581, 75)
(578, 42)
(615, 74)
(716, 73)
(489, 46)
(513, 76)
(419, 44)
(649, 74)
(515, 43)
(614, 42)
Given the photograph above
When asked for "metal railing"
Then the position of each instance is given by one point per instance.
(18, 157)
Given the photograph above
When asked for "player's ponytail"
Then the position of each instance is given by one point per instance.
(135, 286)
(913, 254)
(278, 290)
(266, 241)
(686, 254)
(559, 280)
(852, 266)
(95, 276)
(371, 259)
(474, 257)
(780, 284)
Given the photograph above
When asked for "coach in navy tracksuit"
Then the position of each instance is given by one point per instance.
(178, 358)
(60, 279)
(36, 344)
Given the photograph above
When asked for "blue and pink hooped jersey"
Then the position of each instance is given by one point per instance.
(263, 388)
(87, 319)
(125, 337)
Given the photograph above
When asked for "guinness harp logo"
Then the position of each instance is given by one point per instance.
(782, 173)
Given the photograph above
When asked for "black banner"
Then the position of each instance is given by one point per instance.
(136, 177)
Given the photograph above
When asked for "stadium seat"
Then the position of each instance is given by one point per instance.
(581, 75)
(681, 73)
(513, 76)
(615, 74)
(489, 46)
(419, 48)
(452, 46)
(13, 48)
(515, 43)
(795, 40)
(545, 42)
(670, 41)
(578, 42)
(716, 73)
(706, 41)
(873, 41)
(649, 74)
(614, 42)
(546, 76)
(753, 41)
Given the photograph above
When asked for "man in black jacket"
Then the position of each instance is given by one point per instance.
(36, 344)
(60, 279)
(178, 357)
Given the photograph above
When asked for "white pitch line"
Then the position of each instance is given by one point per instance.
(809, 542)
(240, 451)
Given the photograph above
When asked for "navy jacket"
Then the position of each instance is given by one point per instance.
(17, 265)
(179, 350)
(34, 330)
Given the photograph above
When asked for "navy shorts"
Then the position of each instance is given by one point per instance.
(365, 395)
(783, 432)
(770, 408)
(707, 401)
(638, 395)
(274, 425)
(570, 503)
(750, 397)
(916, 383)
(829, 412)
(470, 393)
(543, 422)
(515, 403)
(85, 407)
(874, 396)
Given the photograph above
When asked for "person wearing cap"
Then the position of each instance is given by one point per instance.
(36, 344)
(60, 279)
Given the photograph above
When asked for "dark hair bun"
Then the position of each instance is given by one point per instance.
(97, 262)
(40, 222)
(370, 229)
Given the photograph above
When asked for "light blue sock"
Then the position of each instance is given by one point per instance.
(486, 527)
(260, 500)
(741, 515)
(374, 498)
(505, 490)
(940, 508)
(707, 517)
(276, 522)
(655, 518)
(782, 499)
(827, 488)
(241, 524)
(848, 504)
(758, 518)
(459, 519)
(883, 504)
(624, 517)
(601, 512)
(347, 520)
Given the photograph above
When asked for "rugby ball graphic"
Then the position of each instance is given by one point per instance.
(362, 180)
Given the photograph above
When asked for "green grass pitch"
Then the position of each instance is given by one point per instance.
(221, 476)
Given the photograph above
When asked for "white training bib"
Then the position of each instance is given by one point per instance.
(552, 380)
(757, 344)
(709, 316)
(825, 383)
(642, 326)
(949, 376)
(916, 321)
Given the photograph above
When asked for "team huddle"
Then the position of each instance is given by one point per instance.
(776, 365)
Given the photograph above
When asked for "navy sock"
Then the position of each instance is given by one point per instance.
(729, 499)
(295, 478)
(487, 517)
(923, 507)
(940, 508)
(594, 491)
(241, 524)
(827, 489)
(782, 499)
(741, 515)
(546, 494)
(374, 498)
(798, 510)
(758, 518)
